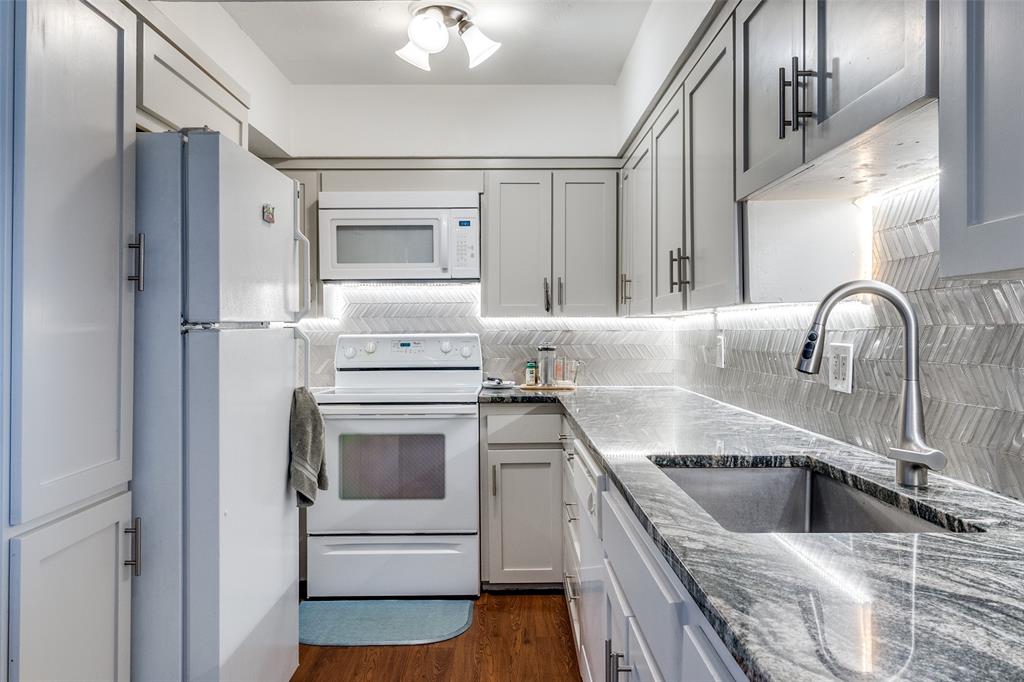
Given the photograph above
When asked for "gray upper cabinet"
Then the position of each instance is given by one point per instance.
(870, 59)
(584, 242)
(769, 34)
(981, 147)
(669, 249)
(712, 225)
(517, 244)
(635, 239)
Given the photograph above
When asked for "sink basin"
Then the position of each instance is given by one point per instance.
(790, 500)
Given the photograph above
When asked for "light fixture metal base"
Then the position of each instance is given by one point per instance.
(453, 11)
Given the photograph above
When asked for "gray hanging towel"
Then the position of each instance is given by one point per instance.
(308, 471)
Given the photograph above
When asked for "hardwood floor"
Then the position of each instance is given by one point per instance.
(513, 638)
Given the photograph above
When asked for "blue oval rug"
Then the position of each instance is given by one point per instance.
(377, 622)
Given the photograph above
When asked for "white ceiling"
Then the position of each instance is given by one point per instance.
(352, 41)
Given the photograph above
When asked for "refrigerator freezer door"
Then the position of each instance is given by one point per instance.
(242, 561)
(242, 254)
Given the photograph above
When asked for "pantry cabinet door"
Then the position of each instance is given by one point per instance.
(712, 224)
(524, 516)
(73, 222)
(872, 59)
(637, 215)
(584, 260)
(516, 278)
(982, 141)
(669, 249)
(769, 33)
(70, 593)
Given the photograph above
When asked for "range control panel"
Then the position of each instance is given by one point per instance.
(395, 351)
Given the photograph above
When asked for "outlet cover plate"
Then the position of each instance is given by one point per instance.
(720, 352)
(840, 367)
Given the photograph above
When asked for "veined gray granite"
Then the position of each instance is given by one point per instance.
(792, 607)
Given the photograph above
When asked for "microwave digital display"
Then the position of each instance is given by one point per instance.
(465, 223)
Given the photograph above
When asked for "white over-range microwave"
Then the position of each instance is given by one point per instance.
(399, 235)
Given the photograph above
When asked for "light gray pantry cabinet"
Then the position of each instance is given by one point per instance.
(981, 147)
(549, 243)
(635, 233)
(811, 75)
(521, 494)
(670, 257)
(77, 268)
(713, 277)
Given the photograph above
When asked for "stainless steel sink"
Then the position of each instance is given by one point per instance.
(790, 500)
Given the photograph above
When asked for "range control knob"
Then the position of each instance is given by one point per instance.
(370, 347)
(446, 346)
(350, 352)
(466, 351)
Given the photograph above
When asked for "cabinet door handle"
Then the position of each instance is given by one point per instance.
(783, 84)
(494, 480)
(683, 278)
(135, 530)
(795, 93)
(614, 665)
(623, 282)
(570, 594)
(139, 245)
(561, 293)
(672, 284)
(547, 295)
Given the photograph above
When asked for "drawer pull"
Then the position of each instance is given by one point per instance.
(568, 511)
(570, 593)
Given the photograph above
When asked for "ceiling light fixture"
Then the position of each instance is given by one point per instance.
(428, 33)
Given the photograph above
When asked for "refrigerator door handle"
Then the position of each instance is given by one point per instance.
(304, 272)
(301, 336)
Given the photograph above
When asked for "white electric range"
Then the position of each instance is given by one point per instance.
(401, 515)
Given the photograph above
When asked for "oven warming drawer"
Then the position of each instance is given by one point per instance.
(392, 566)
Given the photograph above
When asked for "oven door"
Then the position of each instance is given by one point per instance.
(399, 469)
(384, 244)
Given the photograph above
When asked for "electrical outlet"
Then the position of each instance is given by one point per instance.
(720, 352)
(840, 367)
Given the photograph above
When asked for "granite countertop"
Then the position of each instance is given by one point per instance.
(871, 606)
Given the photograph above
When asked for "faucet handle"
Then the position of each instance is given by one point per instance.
(928, 456)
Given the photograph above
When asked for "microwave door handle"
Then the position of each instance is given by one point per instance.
(445, 227)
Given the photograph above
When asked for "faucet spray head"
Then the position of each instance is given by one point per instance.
(810, 355)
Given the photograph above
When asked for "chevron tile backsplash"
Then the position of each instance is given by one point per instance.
(616, 352)
(972, 353)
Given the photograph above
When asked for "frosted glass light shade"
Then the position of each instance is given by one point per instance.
(415, 56)
(479, 46)
(428, 32)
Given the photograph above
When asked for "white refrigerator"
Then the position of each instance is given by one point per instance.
(226, 270)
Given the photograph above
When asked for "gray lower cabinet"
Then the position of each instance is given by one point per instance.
(521, 494)
(635, 236)
(769, 34)
(712, 221)
(669, 262)
(871, 59)
(982, 142)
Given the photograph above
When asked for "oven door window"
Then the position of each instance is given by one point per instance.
(392, 466)
(379, 243)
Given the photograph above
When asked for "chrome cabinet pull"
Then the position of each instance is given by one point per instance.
(615, 667)
(570, 594)
(139, 245)
(561, 293)
(547, 295)
(683, 279)
(135, 530)
(622, 287)
(568, 512)
(795, 93)
(494, 480)
(672, 284)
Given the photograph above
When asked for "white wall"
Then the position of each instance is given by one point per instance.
(455, 120)
(217, 34)
(664, 33)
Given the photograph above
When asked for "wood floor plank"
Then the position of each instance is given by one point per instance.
(513, 638)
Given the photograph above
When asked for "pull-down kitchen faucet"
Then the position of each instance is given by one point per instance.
(914, 457)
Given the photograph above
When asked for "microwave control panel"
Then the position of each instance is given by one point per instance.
(465, 243)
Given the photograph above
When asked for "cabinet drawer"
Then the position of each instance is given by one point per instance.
(641, 660)
(587, 484)
(177, 92)
(523, 428)
(658, 603)
(571, 534)
(702, 663)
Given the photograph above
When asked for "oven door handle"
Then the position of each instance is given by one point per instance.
(392, 411)
(399, 415)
